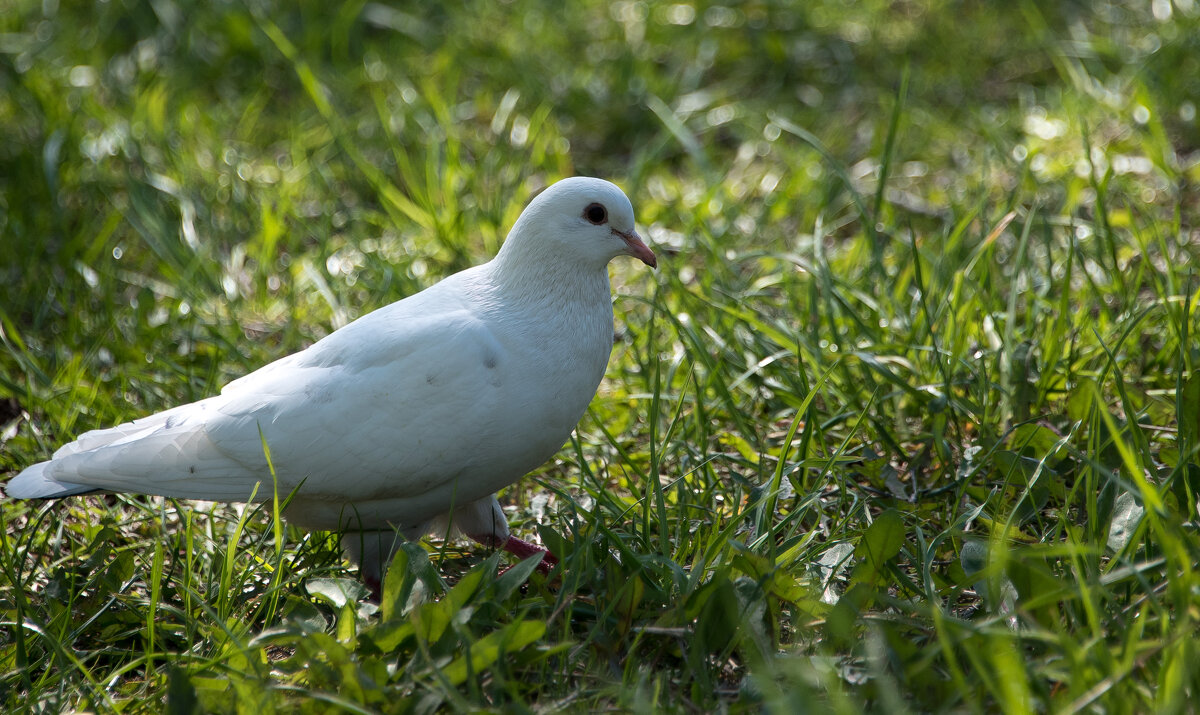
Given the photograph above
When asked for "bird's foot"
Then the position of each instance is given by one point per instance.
(523, 550)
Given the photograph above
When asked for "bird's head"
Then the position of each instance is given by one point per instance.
(589, 220)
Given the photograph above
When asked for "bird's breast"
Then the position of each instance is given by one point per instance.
(562, 364)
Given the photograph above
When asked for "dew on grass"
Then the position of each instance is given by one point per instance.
(721, 115)
(82, 76)
(679, 14)
(520, 131)
(769, 181)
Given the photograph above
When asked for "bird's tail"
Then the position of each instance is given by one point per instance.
(35, 483)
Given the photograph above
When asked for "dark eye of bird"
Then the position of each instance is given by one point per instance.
(596, 214)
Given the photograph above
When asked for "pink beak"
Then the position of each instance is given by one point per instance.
(636, 247)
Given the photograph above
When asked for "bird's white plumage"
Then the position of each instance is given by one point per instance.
(416, 410)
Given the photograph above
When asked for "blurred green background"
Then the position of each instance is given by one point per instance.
(372, 142)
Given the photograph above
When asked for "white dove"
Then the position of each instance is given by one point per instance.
(413, 413)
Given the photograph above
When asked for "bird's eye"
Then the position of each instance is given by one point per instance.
(595, 213)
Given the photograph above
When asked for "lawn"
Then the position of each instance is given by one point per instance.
(907, 419)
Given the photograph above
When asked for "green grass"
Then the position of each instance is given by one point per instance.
(908, 419)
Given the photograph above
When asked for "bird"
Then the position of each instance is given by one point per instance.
(407, 419)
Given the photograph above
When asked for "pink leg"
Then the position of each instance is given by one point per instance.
(523, 550)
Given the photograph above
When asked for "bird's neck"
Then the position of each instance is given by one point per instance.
(543, 280)
(550, 303)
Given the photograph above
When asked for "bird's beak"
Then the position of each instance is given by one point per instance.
(636, 247)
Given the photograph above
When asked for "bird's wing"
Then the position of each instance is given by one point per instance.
(386, 407)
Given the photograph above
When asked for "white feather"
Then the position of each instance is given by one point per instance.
(420, 409)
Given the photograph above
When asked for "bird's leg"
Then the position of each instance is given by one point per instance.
(483, 521)
(523, 550)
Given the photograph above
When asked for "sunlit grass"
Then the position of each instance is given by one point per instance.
(907, 419)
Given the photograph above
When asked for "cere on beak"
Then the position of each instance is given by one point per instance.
(637, 248)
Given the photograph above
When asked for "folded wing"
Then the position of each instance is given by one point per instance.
(349, 419)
